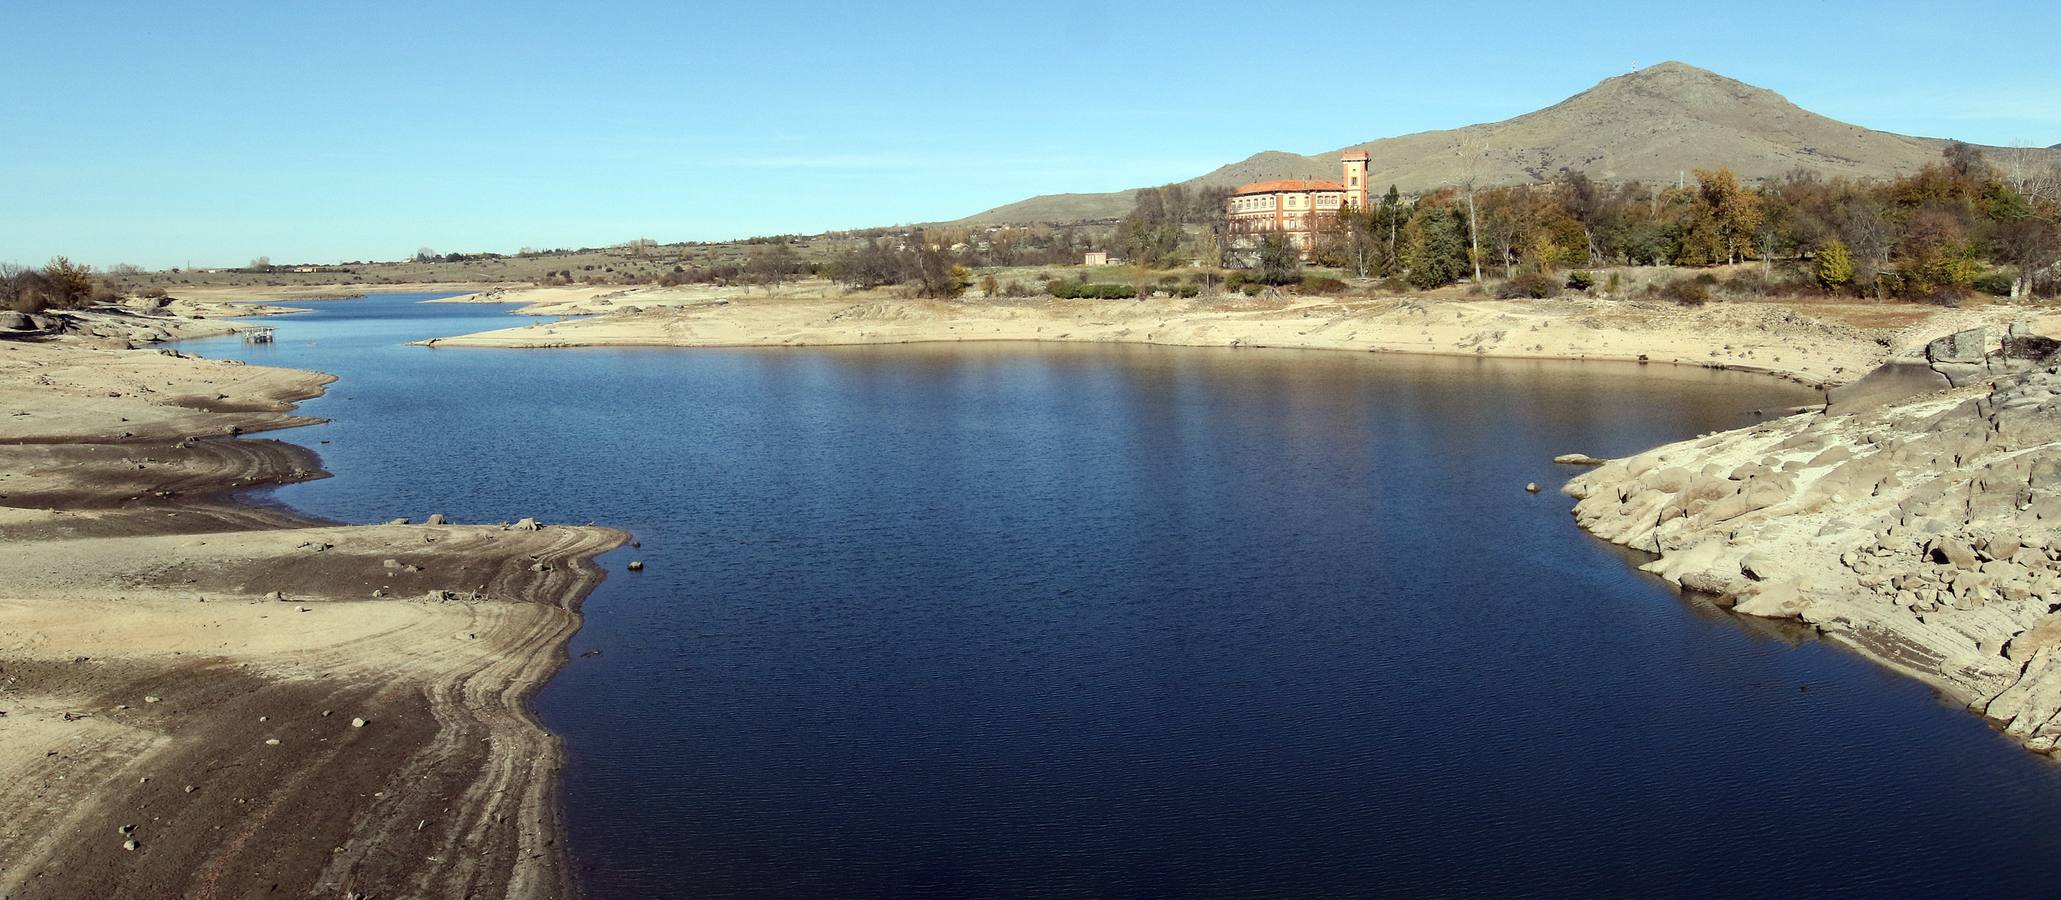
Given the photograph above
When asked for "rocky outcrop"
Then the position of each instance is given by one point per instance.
(1967, 357)
(1925, 532)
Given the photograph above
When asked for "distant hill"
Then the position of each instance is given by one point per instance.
(1653, 125)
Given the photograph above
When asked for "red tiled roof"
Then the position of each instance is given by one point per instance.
(1289, 186)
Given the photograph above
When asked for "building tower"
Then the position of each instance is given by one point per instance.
(1355, 180)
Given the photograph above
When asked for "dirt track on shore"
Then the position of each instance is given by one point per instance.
(202, 698)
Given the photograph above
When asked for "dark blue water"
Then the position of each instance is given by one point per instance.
(1152, 622)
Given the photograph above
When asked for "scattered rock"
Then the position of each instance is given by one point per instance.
(527, 524)
(436, 519)
(271, 742)
(1531, 487)
(636, 565)
(130, 845)
(358, 723)
(1578, 459)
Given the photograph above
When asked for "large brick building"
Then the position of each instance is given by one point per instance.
(1294, 207)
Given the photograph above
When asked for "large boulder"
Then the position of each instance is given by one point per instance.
(2021, 342)
(1962, 357)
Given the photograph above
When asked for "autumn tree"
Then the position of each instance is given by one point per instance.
(1723, 220)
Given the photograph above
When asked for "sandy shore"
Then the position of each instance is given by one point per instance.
(1814, 344)
(308, 293)
(202, 698)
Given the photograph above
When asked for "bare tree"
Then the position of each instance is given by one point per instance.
(2030, 243)
(1471, 157)
(2034, 172)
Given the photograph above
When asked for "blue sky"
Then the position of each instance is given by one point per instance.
(162, 134)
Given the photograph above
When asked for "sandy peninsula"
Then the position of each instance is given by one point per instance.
(205, 698)
(1819, 344)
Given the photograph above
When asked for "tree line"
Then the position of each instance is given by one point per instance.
(1971, 221)
(61, 284)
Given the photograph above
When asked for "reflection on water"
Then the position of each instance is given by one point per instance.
(983, 620)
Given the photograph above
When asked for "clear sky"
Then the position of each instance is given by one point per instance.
(165, 133)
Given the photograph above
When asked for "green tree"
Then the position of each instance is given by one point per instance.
(1280, 261)
(1435, 246)
(1835, 265)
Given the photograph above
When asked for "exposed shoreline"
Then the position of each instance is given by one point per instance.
(1923, 532)
(1806, 344)
(182, 668)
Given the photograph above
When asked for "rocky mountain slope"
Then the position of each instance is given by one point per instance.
(1653, 125)
(1924, 531)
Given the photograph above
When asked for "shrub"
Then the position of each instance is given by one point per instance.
(1534, 285)
(1251, 288)
(1615, 283)
(1687, 291)
(1995, 284)
(1580, 281)
(1748, 283)
(1075, 290)
(1320, 284)
(1393, 284)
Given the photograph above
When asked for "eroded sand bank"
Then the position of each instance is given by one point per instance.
(203, 698)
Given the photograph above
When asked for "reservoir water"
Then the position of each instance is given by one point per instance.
(1104, 621)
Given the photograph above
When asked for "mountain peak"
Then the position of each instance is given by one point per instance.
(1679, 84)
(1652, 125)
